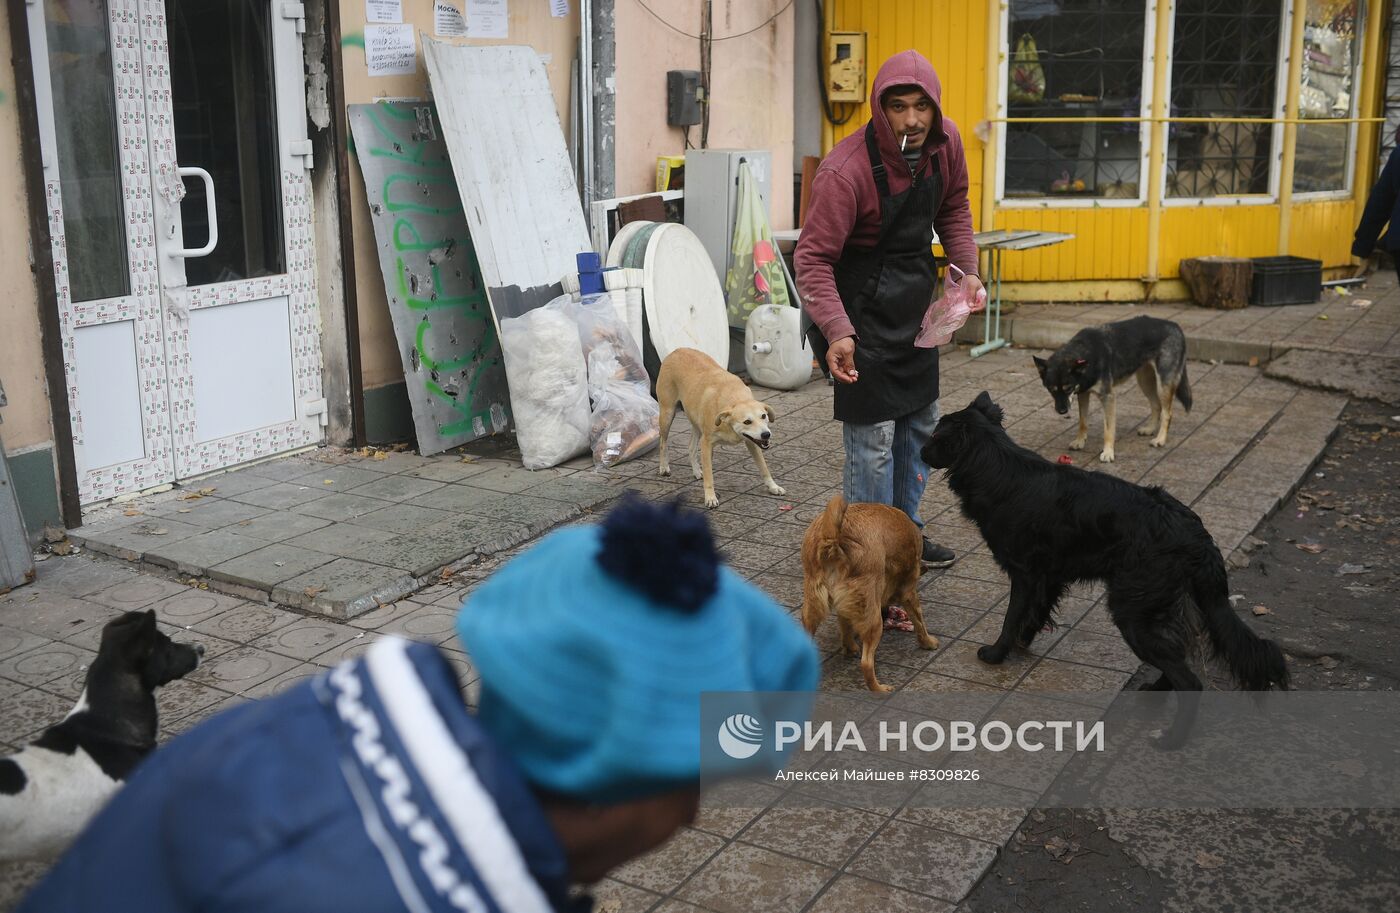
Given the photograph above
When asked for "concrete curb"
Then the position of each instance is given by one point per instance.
(402, 586)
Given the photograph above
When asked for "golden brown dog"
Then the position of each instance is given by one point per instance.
(857, 559)
(721, 410)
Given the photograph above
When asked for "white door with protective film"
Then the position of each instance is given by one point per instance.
(176, 169)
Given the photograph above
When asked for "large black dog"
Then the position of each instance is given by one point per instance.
(1049, 526)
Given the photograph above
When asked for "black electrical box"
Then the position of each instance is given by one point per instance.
(682, 97)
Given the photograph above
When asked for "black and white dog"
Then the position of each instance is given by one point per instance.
(53, 787)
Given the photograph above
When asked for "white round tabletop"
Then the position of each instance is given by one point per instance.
(682, 295)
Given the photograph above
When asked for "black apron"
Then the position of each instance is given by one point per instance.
(887, 290)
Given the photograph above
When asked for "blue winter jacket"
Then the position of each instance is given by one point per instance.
(1382, 206)
(369, 788)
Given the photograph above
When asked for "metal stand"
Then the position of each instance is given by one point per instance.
(991, 324)
(994, 243)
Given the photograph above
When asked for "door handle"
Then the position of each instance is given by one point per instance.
(191, 171)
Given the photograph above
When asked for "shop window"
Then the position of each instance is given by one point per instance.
(1328, 75)
(1081, 59)
(1225, 64)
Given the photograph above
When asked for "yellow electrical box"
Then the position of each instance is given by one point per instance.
(845, 67)
(670, 172)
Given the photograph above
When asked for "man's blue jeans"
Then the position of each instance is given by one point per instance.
(882, 460)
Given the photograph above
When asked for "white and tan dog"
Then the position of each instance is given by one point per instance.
(721, 409)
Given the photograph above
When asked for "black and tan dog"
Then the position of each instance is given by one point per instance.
(857, 559)
(1049, 526)
(1097, 359)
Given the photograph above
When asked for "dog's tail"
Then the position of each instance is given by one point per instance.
(829, 551)
(1183, 389)
(1256, 663)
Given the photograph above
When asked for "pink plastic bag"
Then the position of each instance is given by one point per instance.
(946, 315)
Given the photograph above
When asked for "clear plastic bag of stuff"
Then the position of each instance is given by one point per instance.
(547, 375)
(946, 315)
(624, 420)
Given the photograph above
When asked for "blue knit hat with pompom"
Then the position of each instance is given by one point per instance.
(595, 645)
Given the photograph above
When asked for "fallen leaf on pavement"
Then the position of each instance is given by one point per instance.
(62, 549)
(1057, 846)
(1312, 548)
(1260, 610)
(1208, 860)
(160, 531)
(380, 455)
(785, 507)
(312, 592)
(131, 513)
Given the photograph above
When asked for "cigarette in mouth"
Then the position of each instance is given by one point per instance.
(902, 140)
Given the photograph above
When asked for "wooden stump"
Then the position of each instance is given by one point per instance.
(1218, 282)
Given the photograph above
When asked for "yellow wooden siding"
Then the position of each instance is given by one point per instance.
(952, 34)
(1323, 230)
(1110, 242)
(1223, 231)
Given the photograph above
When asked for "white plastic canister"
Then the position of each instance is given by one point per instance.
(776, 352)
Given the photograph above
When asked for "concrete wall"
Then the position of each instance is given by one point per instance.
(386, 402)
(751, 87)
(26, 432)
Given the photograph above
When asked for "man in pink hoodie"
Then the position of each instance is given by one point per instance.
(866, 271)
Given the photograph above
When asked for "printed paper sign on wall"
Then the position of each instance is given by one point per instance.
(488, 18)
(384, 10)
(447, 19)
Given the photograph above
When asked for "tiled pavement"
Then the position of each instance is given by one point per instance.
(338, 533)
(1247, 442)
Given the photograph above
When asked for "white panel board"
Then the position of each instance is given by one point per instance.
(242, 372)
(109, 394)
(512, 168)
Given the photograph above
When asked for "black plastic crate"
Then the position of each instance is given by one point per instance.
(1285, 280)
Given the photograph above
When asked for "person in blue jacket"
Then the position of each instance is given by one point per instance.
(1382, 207)
(373, 788)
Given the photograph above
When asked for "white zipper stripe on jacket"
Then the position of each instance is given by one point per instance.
(463, 800)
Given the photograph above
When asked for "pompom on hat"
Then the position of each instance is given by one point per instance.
(595, 646)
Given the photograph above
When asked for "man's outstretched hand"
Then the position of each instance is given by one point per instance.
(973, 286)
(841, 360)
